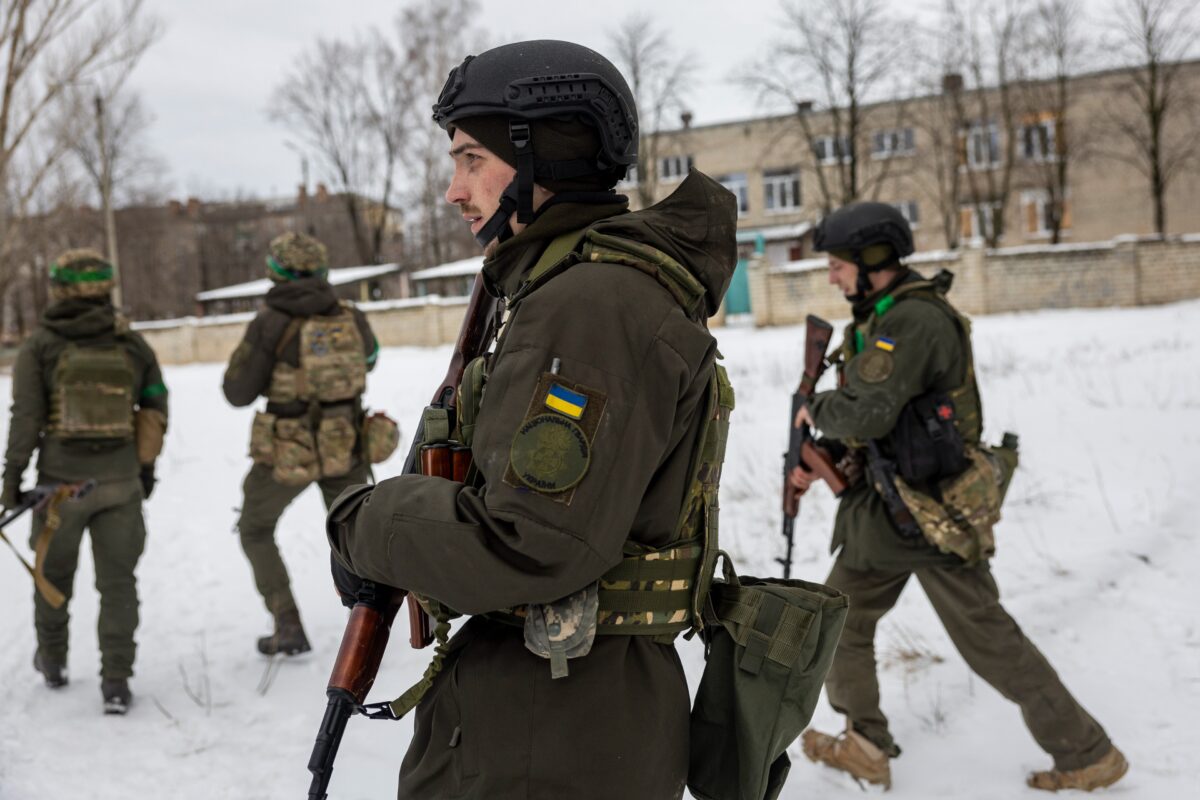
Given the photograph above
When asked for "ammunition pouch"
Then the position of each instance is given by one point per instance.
(295, 452)
(958, 514)
(262, 439)
(380, 437)
(769, 645)
(336, 436)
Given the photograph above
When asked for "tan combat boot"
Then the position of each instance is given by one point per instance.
(1105, 772)
(852, 753)
(288, 638)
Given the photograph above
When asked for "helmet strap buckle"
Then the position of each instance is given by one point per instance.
(522, 142)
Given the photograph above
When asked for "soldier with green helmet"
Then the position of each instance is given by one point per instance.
(309, 354)
(905, 423)
(89, 396)
(596, 426)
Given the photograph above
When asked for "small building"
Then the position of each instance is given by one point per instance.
(352, 283)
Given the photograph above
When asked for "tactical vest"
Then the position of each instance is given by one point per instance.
(92, 396)
(332, 367)
(967, 403)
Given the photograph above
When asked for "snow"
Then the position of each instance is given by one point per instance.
(1096, 561)
(337, 277)
(452, 269)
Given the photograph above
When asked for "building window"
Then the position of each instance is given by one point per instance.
(737, 184)
(1038, 140)
(979, 220)
(896, 142)
(828, 149)
(1037, 213)
(674, 168)
(781, 190)
(982, 146)
(911, 213)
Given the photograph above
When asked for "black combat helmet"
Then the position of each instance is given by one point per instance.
(529, 86)
(873, 236)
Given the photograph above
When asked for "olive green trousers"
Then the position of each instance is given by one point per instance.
(112, 514)
(967, 601)
(263, 502)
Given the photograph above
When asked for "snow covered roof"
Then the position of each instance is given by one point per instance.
(774, 233)
(454, 269)
(337, 277)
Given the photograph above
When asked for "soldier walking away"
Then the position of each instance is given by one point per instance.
(575, 542)
(309, 354)
(89, 396)
(906, 421)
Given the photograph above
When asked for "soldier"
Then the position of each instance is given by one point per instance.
(309, 354)
(599, 393)
(908, 409)
(88, 394)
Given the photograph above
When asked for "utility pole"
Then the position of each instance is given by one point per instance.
(110, 223)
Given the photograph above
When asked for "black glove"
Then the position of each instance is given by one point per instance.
(350, 588)
(148, 480)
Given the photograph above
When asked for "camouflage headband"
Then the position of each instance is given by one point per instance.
(290, 275)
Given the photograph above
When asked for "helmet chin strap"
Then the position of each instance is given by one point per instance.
(497, 226)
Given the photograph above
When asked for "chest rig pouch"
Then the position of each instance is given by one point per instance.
(92, 397)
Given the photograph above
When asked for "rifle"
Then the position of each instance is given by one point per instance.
(36, 498)
(371, 618)
(802, 449)
(883, 476)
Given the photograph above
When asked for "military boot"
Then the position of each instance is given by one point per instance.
(852, 753)
(288, 638)
(1105, 772)
(117, 697)
(54, 672)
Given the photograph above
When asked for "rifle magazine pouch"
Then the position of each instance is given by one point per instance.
(262, 439)
(335, 445)
(961, 522)
(770, 643)
(296, 462)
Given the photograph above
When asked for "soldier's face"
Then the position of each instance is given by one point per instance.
(480, 178)
(844, 275)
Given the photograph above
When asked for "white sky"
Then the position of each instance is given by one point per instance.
(208, 80)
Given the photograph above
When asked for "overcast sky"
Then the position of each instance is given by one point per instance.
(208, 80)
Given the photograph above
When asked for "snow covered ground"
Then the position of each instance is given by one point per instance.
(1097, 560)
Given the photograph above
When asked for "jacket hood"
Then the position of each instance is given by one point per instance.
(80, 318)
(302, 297)
(696, 225)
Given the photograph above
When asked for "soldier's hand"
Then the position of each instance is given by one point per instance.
(146, 476)
(801, 478)
(803, 417)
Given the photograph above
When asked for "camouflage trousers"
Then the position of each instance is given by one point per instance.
(967, 601)
(263, 502)
(112, 514)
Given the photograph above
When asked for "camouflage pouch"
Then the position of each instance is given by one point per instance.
(381, 437)
(262, 439)
(961, 522)
(768, 645)
(150, 425)
(335, 445)
(295, 450)
(563, 629)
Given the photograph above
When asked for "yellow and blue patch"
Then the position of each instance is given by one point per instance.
(885, 344)
(566, 402)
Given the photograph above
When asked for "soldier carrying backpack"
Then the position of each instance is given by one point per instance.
(309, 354)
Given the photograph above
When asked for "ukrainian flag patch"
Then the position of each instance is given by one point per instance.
(885, 344)
(566, 402)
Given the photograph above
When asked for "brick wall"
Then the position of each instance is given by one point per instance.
(1128, 271)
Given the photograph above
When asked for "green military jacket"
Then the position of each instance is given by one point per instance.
(894, 350)
(250, 368)
(85, 322)
(617, 726)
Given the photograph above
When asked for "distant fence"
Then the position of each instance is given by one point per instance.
(1128, 271)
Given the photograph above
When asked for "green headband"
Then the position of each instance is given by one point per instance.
(74, 274)
(288, 274)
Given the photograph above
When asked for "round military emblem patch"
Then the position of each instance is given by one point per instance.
(875, 366)
(550, 453)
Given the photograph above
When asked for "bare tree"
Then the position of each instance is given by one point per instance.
(660, 79)
(1156, 36)
(45, 48)
(848, 50)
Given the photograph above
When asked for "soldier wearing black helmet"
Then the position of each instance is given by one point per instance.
(599, 392)
(925, 492)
